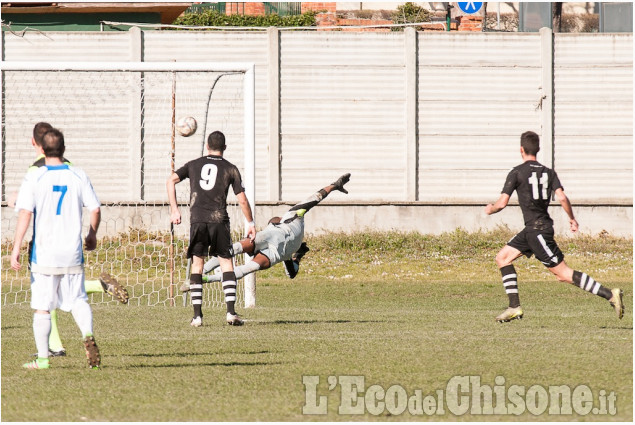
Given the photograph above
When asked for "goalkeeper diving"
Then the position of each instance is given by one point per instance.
(280, 241)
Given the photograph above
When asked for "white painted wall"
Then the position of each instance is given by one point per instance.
(344, 108)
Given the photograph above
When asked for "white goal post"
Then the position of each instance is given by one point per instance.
(139, 68)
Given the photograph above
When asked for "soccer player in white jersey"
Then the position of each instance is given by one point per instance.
(57, 192)
(280, 241)
(106, 283)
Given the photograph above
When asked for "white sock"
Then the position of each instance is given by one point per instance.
(83, 316)
(210, 265)
(213, 262)
(246, 269)
(238, 248)
(41, 331)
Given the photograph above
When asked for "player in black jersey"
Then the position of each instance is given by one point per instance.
(210, 178)
(534, 183)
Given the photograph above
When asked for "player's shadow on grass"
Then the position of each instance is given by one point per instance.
(312, 322)
(194, 354)
(6, 328)
(212, 364)
(626, 328)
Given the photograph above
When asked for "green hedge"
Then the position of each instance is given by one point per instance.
(213, 18)
(410, 13)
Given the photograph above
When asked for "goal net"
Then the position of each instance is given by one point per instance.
(118, 121)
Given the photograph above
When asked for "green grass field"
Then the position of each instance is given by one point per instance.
(395, 308)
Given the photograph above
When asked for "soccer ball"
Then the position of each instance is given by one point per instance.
(186, 126)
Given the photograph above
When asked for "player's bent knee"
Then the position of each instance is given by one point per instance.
(262, 260)
(502, 260)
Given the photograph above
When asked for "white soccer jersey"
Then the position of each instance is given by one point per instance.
(56, 196)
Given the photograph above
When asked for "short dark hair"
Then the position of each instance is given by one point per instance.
(530, 142)
(216, 141)
(53, 144)
(38, 131)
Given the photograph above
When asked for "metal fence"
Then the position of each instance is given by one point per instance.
(289, 8)
(271, 8)
(204, 7)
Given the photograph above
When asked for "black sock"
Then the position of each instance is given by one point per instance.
(196, 293)
(229, 288)
(510, 282)
(590, 285)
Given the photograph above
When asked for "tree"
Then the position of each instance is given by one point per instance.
(556, 9)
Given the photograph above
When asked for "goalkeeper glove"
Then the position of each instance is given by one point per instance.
(339, 183)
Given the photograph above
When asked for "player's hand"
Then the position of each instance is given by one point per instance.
(15, 260)
(574, 225)
(251, 232)
(175, 217)
(489, 209)
(91, 241)
(339, 183)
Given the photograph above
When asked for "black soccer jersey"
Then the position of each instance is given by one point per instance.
(210, 178)
(534, 183)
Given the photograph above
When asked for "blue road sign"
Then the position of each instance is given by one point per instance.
(470, 7)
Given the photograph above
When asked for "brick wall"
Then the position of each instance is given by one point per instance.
(254, 9)
(325, 20)
(358, 22)
(330, 19)
(319, 6)
(470, 23)
(234, 8)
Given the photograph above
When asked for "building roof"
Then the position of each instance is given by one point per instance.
(169, 11)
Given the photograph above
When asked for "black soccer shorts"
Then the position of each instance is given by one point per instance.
(210, 239)
(539, 243)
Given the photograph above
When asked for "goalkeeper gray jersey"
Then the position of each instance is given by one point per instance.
(279, 241)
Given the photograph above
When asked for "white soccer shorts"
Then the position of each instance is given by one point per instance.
(49, 292)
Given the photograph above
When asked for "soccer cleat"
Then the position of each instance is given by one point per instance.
(39, 363)
(113, 288)
(234, 319)
(185, 287)
(291, 268)
(92, 352)
(616, 302)
(339, 183)
(54, 353)
(297, 256)
(57, 353)
(510, 314)
(197, 322)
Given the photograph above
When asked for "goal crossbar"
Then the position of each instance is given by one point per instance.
(247, 68)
